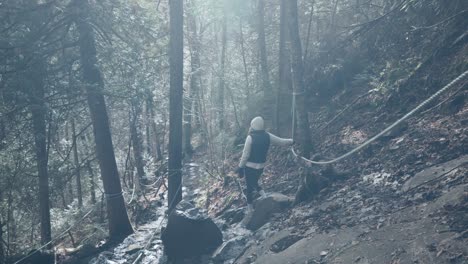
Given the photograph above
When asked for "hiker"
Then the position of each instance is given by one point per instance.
(254, 156)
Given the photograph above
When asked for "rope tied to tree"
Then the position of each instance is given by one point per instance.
(363, 145)
(59, 236)
(111, 196)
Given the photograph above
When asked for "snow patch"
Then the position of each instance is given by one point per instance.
(380, 179)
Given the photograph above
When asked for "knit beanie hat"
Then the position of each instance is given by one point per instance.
(257, 123)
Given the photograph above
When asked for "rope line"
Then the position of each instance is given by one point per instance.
(110, 196)
(59, 236)
(363, 145)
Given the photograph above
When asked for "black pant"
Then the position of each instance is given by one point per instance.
(251, 178)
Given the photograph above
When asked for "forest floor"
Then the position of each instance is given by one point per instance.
(405, 201)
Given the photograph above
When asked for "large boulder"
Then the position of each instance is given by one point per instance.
(264, 208)
(188, 235)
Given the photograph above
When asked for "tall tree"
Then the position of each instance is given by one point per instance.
(268, 99)
(2, 242)
(284, 91)
(152, 122)
(222, 74)
(303, 133)
(176, 65)
(35, 87)
(119, 224)
(191, 111)
(76, 160)
(35, 84)
(137, 141)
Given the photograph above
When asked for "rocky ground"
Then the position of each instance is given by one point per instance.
(404, 200)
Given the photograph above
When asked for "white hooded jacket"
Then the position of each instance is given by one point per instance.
(258, 124)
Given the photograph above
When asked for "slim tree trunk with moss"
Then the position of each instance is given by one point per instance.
(268, 99)
(284, 91)
(303, 128)
(119, 224)
(154, 136)
(137, 143)
(76, 160)
(222, 75)
(35, 82)
(176, 64)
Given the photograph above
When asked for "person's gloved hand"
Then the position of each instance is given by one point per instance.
(241, 172)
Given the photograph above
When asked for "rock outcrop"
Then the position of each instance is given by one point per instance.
(265, 208)
(188, 235)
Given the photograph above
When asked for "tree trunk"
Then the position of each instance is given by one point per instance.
(176, 63)
(137, 144)
(303, 133)
(2, 242)
(244, 60)
(148, 145)
(152, 115)
(89, 166)
(10, 223)
(77, 165)
(68, 178)
(192, 111)
(284, 91)
(187, 133)
(119, 224)
(38, 112)
(92, 183)
(222, 77)
(268, 99)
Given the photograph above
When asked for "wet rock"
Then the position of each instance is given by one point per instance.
(311, 185)
(265, 208)
(434, 172)
(264, 232)
(36, 257)
(229, 250)
(133, 249)
(284, 243)
(233, 216)
(187, 235)
(185, 205)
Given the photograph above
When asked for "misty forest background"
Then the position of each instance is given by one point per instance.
(100, 98)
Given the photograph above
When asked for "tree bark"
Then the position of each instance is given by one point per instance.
(119, 224)
(68, 178)
(2, 242)
(244, 59)
(187, 133)
(11, 223)
(137, 144)
(284, 91)
(303, 133)
(176, 43)
(89, 167)
(38, 111)
(268, 99)
(222, 77)
(92, 183)
(77, 165)
(155, 137)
